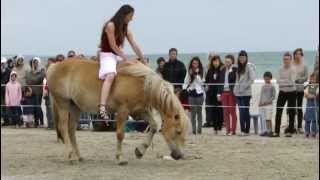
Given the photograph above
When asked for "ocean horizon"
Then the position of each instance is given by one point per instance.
(263, 61)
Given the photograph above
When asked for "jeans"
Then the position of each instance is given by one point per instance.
(244, 103)
(38, 114)
(196, 112)
(311, 117)
(299, 98)
(229, 112)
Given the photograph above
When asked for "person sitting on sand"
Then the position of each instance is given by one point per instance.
(113, 35)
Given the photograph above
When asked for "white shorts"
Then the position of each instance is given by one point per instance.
(266, 112)
(108, 64)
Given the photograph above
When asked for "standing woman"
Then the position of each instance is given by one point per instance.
(242, 90)
(194, 85)
(112, 39)
(214, 114)
(301, 77)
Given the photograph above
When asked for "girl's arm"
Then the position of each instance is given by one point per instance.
(110, 30)
(135, 46)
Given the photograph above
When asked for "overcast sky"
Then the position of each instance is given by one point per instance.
(48, 27)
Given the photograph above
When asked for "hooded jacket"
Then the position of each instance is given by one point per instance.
(13, 92)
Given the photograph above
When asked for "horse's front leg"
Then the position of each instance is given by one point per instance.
(121, 119)
(142, 148)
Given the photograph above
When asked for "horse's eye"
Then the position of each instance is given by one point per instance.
(176, 117)
(178, 131)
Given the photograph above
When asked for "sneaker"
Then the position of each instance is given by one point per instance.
(299, 131)
(275, 135)
(288, 135)
(307, 135)
(241, 134)
(264, 134)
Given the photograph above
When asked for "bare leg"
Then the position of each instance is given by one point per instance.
(122, 116)
(105, 93)
(141, 149)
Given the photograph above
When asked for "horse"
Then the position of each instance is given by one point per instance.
(74, 88)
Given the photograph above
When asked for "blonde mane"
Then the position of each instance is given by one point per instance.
(159, 92)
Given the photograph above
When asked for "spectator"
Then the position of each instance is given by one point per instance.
(28, 109)
(267, 96)
(194, 85)
(242, 90)
(228, 99)
(94, 58)
(35, 79)
(21, 69)
(214, 115)
(210, 56)
(6, 68)
(71, 54)
(60, 57)
(174, 70)
(311, 93)
(316, 72)
(316, 66)
(13, 99)
(46, 97)
(160, 62)
(82, 56)
(301, 78)
(287, 93)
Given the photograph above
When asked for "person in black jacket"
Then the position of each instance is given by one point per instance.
(226, 95)
(214, 115)
(174, 71)
(28, 103)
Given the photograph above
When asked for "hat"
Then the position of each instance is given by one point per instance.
(12, 73)
(3, 60)
(36, 59)
(19, 56)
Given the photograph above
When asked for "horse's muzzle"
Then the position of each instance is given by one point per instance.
(176, 155)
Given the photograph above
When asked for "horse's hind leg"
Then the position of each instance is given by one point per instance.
(74, 118)
(122, 116)
(141, 149)
(63, 125)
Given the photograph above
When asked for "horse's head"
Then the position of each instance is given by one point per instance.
(174, 130)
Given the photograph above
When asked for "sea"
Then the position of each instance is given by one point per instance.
(263, 61)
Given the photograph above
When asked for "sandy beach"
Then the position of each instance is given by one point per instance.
(35, 154)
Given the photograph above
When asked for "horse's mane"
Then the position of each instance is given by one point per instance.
(158, 91)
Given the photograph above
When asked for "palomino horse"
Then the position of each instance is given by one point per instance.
(75, 88)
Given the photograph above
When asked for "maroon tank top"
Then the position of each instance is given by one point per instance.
(104, 45)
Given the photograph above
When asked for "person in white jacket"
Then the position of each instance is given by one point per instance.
(195, 87)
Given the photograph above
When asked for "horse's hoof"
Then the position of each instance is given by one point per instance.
(122, 163)
(138, 153)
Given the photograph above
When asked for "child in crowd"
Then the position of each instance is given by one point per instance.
(267, 96)
(311, 93)
(13, 98)
(28, 110)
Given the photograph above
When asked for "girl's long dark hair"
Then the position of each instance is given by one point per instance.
(242, 67)
(200, 67)
(119, 22)
(214, 58)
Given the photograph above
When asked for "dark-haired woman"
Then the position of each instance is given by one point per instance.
(194, 85)
(214, 114)
(242, 90)
(112, 38)
(160, 62)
